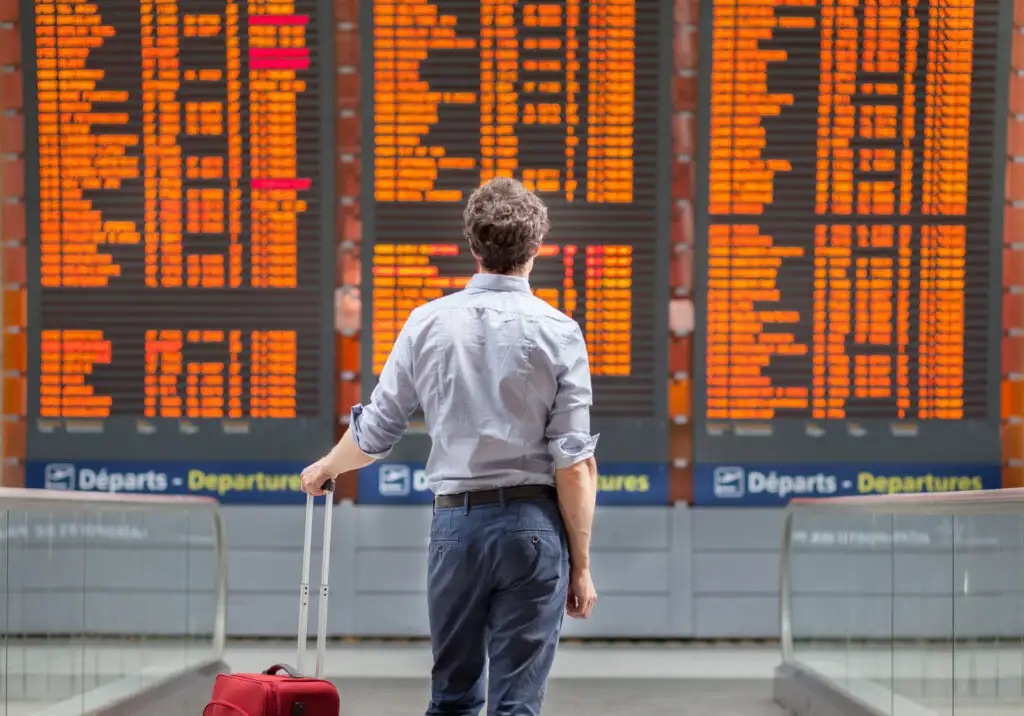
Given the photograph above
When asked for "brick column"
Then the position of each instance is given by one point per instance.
(684, 137)
(1013, 269)
(349, 229)
(12, 244)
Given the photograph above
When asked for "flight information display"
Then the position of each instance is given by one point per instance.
(849, 277)
(179, 304)
(568, 97)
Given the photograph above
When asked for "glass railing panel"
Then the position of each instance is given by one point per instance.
(177, 575)
(103, 601)
(46, 591)
(841, 582)
(922, 614)
(201, 595)
(988, 614)
(120, 576)
(912, 604)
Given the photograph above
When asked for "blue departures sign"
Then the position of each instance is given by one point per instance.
(280, 483)
(775, 485)
(231, 483)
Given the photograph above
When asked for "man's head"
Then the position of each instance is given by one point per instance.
(505, 223)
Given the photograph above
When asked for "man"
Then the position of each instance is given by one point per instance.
(504, 384)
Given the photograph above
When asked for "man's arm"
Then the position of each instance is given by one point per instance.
(577, 497)
(572, 448)
(374, 428)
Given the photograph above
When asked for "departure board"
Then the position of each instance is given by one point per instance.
(849, 277)
(180, 223)
(569, 97)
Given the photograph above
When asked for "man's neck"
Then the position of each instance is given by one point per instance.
(515, 274)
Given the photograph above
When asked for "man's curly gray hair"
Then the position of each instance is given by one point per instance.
(504, 223)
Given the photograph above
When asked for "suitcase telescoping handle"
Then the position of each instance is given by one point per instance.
(325, 566)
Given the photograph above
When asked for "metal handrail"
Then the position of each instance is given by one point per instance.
(989, 502)
(19, 498)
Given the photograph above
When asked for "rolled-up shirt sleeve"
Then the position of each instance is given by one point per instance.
(568, 431)
(379, 424)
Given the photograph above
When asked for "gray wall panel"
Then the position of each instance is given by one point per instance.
(681, 607)
(392, 526)
(382, 614)
(736, 617)
(270, 571)
(640, 528)
(252, 614)
(736, 573)
(730, 529)
(345, 536)
(628, 573)
(276, 527)
(265, 569)
(735, 581)
(397, 571)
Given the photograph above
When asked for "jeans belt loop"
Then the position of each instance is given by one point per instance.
(501, 497)
(465, 501)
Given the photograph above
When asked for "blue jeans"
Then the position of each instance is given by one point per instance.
(496, 588)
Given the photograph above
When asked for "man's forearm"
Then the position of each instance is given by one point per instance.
(577, 496)
(346, 456)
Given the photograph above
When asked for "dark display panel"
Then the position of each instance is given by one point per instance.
(569, 97)
(181, 215)
(848, 278)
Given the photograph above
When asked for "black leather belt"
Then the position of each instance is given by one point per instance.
(490, 497)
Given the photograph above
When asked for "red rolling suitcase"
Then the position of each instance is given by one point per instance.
(281, 690)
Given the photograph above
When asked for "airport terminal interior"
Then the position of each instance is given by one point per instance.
(786, 229)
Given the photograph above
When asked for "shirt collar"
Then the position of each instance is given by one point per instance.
(499, 282)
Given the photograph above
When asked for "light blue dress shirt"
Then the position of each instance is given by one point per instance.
(504, 384)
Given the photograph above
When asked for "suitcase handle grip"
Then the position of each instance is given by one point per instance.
(289, 671)
(212, 708)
